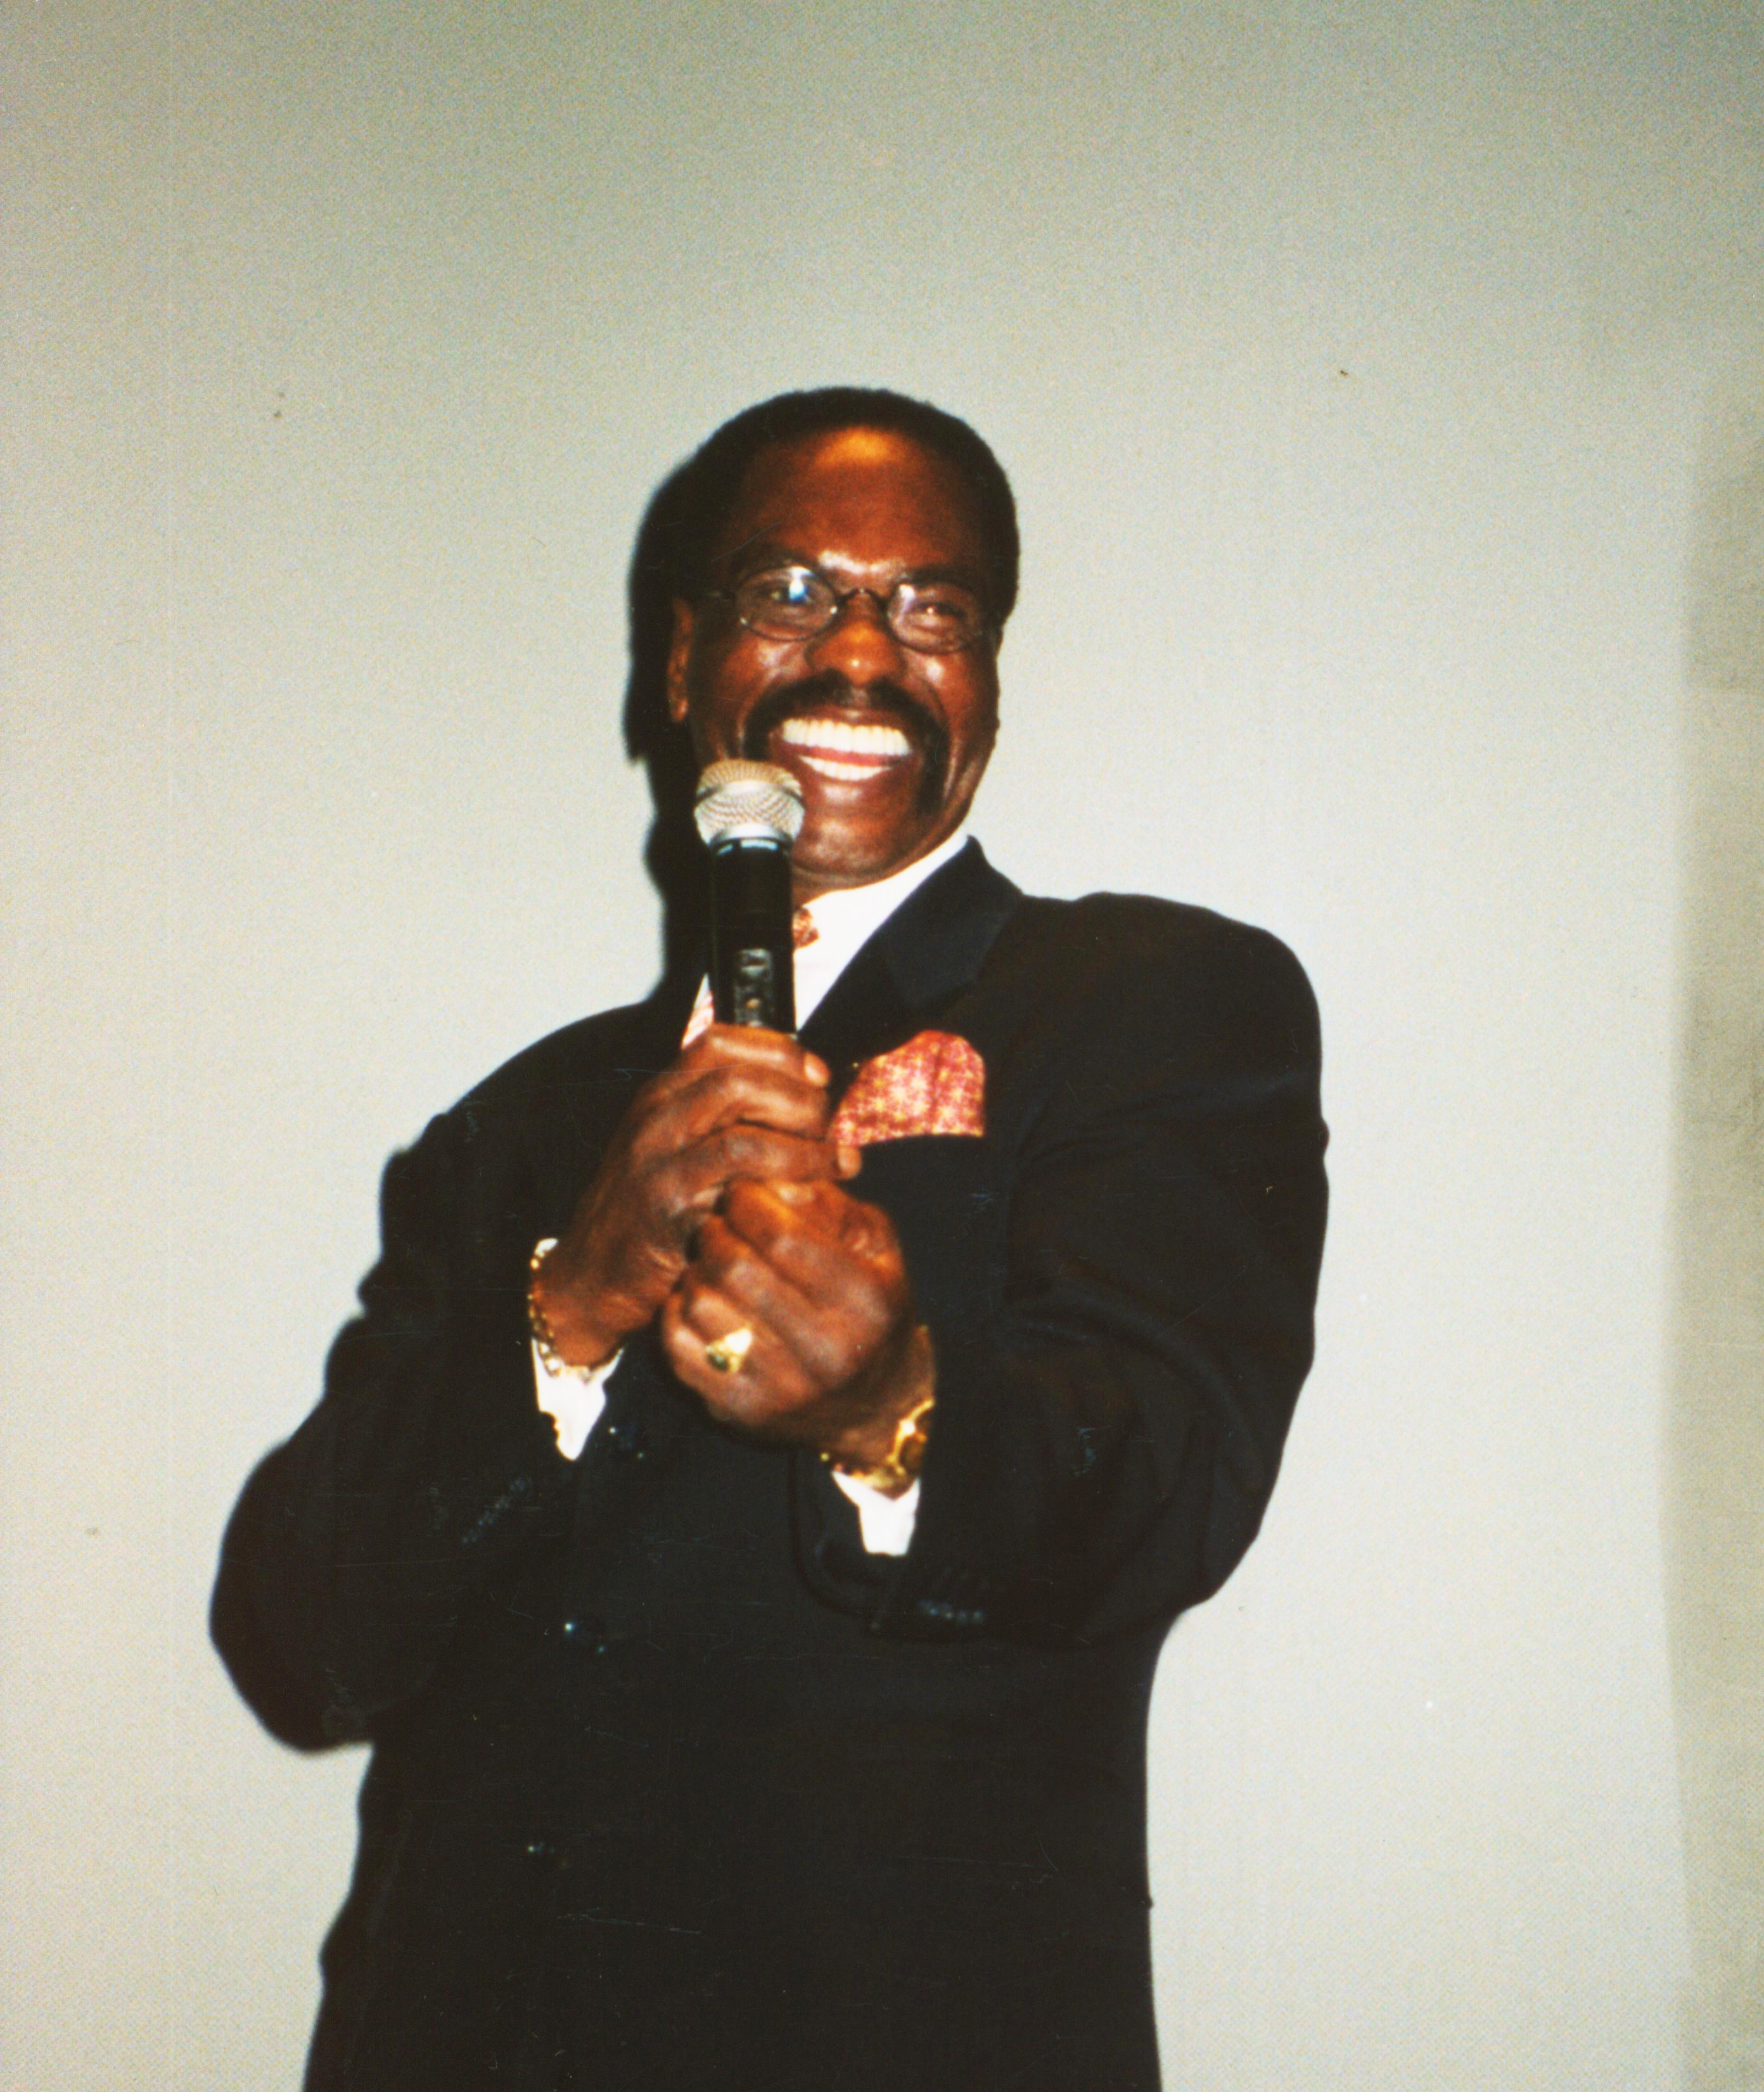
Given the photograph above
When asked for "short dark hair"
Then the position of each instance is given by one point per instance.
(703, 490)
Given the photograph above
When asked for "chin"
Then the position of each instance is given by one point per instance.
(853, 861)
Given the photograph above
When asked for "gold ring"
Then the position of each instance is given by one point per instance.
(726, 1353)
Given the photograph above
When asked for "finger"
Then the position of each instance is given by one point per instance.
(702, 1310)
(811, 1203)
(734, 1271)
(693, 1315)
(714, 1096)
(813, 1344)
(682, 1188)
(829, 1308)
(684, 1342)
(728, 1074)
(799, 1213)
(765, 1378)
(750, 1046)
(695, 1179)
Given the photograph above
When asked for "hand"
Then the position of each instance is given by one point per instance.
(739, 1103)
(838, 1355)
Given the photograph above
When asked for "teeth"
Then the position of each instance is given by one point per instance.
(886, 741)
(851, 772)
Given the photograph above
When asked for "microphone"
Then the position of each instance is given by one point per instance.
(748, 815)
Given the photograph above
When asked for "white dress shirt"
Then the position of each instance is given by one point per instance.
(844, 921)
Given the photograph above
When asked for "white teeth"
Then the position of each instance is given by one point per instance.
(850, 772)
(888, 741)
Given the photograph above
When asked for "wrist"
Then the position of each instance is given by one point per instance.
(566, 1337)
(891, 1450)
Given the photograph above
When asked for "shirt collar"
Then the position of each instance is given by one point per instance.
(846, 917)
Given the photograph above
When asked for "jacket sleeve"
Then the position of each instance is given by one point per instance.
(426, 1469)
(1107, 1436)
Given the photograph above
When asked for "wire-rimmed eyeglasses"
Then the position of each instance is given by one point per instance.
(799, 602)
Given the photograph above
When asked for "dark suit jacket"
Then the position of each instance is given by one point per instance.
(672, 1785)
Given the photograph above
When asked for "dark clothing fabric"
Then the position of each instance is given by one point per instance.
(673, 1787)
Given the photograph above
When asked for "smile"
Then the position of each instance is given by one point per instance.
(843, 750)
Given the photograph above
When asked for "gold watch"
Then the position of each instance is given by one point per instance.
(895, 1475)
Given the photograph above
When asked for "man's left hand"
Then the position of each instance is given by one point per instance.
(837, 1357)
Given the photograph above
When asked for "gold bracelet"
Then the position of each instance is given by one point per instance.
(538, 1328)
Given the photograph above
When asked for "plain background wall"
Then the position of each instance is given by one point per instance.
(1353, 364)
(1715, 1493)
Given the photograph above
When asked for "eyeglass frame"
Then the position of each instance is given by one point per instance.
(988, 629)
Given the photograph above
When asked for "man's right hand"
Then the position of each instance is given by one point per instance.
(738, 1103)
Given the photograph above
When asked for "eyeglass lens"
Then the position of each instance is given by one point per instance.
(796, 602)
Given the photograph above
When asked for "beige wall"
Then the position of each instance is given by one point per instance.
(1715, 1493)
(1358, 360)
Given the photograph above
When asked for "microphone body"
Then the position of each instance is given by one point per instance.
(753, 966)
(749, 814)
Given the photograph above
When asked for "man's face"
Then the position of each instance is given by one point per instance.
(867, 508)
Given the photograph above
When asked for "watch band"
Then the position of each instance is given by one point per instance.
(906, 1456)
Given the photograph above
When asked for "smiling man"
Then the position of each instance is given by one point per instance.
(849, 637)
(746, 1514)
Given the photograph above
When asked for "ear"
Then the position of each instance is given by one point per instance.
(679, 653)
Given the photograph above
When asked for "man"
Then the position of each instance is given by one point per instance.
(746, 1515)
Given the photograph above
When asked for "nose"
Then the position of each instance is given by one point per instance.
(858, 645)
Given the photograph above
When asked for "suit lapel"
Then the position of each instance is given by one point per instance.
(906, 979)
(926, 954)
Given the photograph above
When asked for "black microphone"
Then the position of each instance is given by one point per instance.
(748, 815)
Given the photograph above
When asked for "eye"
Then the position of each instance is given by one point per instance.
(782, 600)
(941, 614)
(789, 585)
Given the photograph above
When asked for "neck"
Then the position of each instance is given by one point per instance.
(807, 885)
(900, 878)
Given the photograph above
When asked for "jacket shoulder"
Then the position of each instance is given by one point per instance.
(618, 1043)
(1135, 956)
(1143, 925)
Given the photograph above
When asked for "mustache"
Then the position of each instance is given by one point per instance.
(887, 701)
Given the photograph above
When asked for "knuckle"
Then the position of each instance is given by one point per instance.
(713, 1260)
(723, 1151)
(746, 1203)
(714, 1087)
(663, 1191)
(746, 1142)
(795, 1255)
(752, 1149)
(731, 1082)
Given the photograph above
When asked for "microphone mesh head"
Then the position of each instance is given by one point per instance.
(748, 803)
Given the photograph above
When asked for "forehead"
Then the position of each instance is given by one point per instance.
(854, 497)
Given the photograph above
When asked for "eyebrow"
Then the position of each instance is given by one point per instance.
(761, 552)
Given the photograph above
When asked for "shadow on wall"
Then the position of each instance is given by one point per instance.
(673, 855)
(1715, 1505)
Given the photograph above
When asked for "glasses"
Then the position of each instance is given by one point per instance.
(796, 602)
